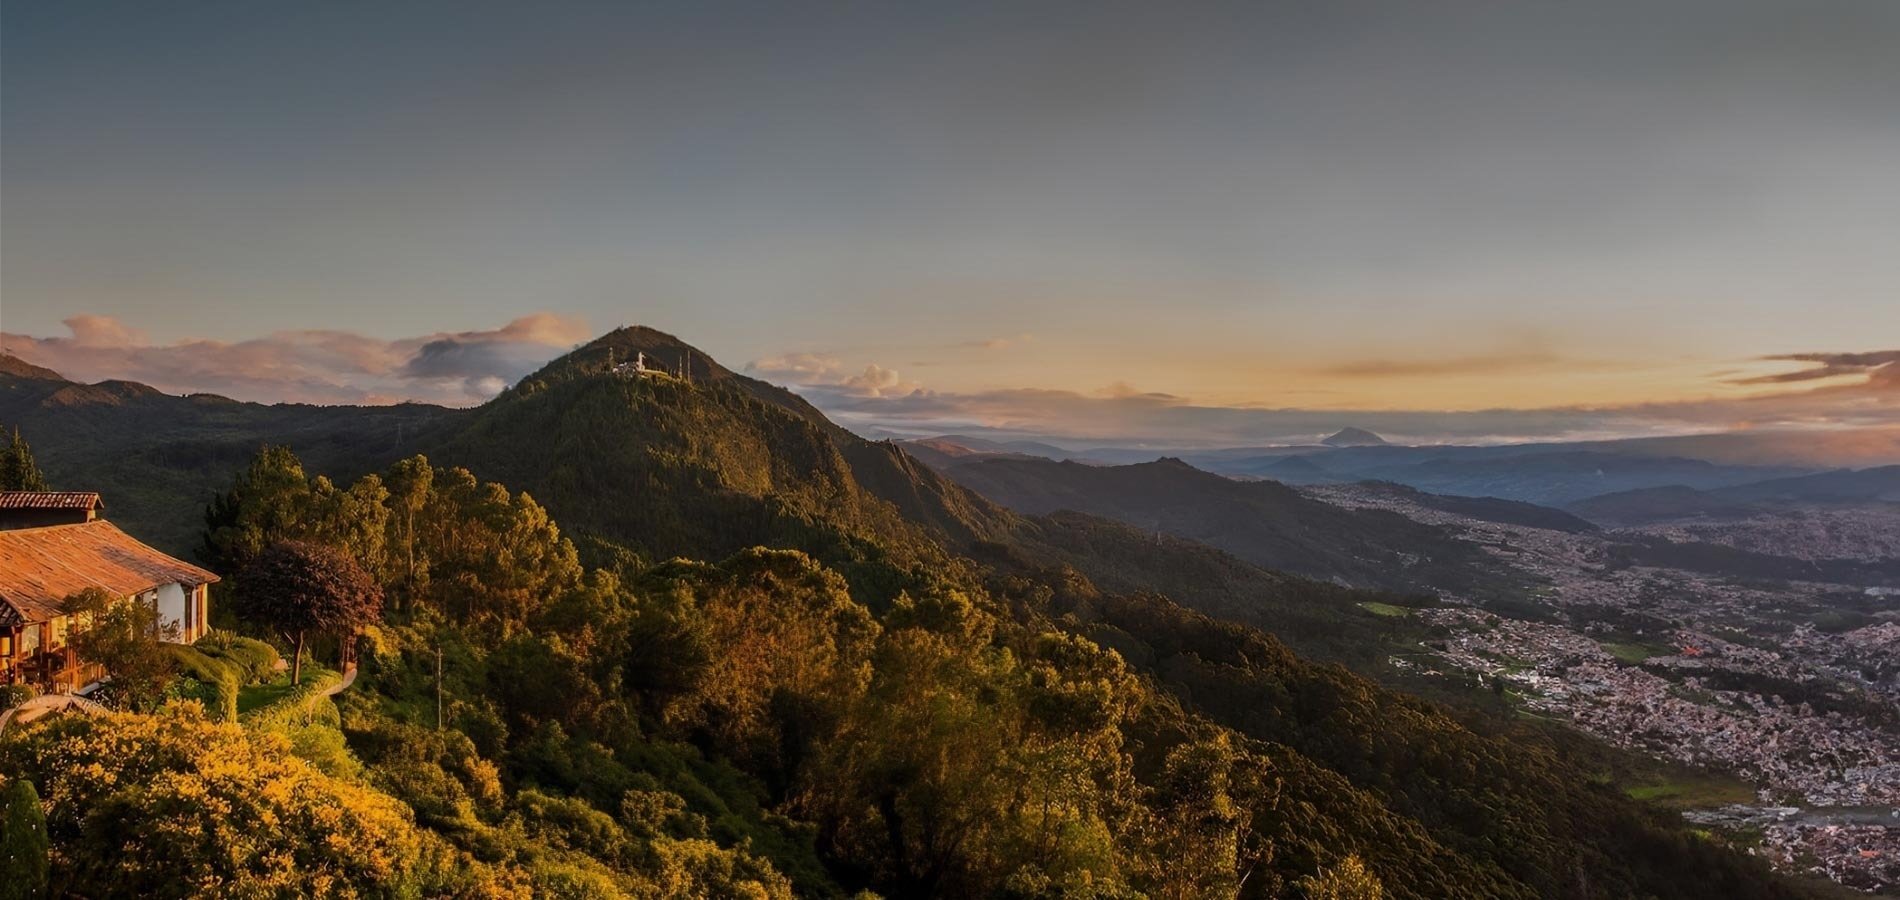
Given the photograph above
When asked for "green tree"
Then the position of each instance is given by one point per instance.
(18, 470)
(409, 484)
(1350, 880)
(23, 844)
(123, 636)
(355, 520)
(268, 502)
(297, 588)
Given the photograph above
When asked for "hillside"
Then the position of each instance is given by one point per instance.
(965, 595)
(1263, 522)
(1658, 504)
(1879, 484)
(707, 465)
(158, 458)
(1488, 509)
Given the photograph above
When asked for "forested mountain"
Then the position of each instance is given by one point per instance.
(915, 692)
(158, 458)
(1262, 522)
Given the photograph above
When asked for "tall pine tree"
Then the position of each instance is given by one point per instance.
(18, 470)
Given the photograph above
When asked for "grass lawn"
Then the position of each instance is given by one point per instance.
(1692, 791)
(1634, 654)
(1385, 609)
(258, 696)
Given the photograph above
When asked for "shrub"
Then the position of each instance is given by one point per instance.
(173, 805)
(196, 664)
(254, 661)
(219, 698)
(298, 707)
(12, 695)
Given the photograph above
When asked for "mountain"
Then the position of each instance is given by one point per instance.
(158, 458)
(1546, 478)
(1487, 509)
(1262, 522)
(1354, 437)
(1297, 470)
(1679, 502)
(1646, 506)
(15, 367)
(984, 445)
(1880, 484)
(960, 685)
(614, 454)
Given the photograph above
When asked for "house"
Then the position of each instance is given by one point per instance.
(41, 566)
(32, 509)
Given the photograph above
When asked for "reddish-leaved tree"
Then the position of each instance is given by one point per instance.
(298, 588)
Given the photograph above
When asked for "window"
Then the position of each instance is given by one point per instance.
(29, 640)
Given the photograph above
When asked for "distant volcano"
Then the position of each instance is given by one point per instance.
(1354, 437)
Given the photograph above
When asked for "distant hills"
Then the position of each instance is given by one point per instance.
(159, 457)
(642, 467)
(1549, 474)
(1680, 502)
(1262, 522)
(1354, 437)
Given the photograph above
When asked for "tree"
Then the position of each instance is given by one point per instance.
(267, 503)
(23, 844)
(18, 470)
(123, 636)
(298, 588)
(409, 484)
(1350, 880)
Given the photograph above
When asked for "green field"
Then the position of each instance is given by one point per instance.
(258, 696)
(1634, 653)
(1692, 791)
(1385, 609)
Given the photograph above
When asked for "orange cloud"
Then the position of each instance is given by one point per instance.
(309, 366)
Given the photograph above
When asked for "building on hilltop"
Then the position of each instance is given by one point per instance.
(43, 565)
(32, 509)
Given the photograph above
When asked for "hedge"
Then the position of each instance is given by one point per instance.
(298, 707)
(255, 660)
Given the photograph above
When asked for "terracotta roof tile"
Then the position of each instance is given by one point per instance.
(41, 567)
(49, 500)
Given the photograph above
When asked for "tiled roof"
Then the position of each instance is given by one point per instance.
(41, 567)
(49, 500)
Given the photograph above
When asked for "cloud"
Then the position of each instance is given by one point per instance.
(827, 372)
(1122, 414)
(798, 368)
(1829, 365)
(309, 366)
(999, 343)
(1460, 365)
(102, 331)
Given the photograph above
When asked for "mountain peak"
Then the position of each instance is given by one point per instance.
(1354, 437)
(20, 368)
(662, 351)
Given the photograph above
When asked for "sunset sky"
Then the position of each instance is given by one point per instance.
(1042, 218)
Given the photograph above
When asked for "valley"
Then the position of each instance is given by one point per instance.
(1793, 687)
(1748, 626)
(1204, 584)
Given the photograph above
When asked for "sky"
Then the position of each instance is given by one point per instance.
(1188, 222)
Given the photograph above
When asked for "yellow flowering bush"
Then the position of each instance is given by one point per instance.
(176, 805)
